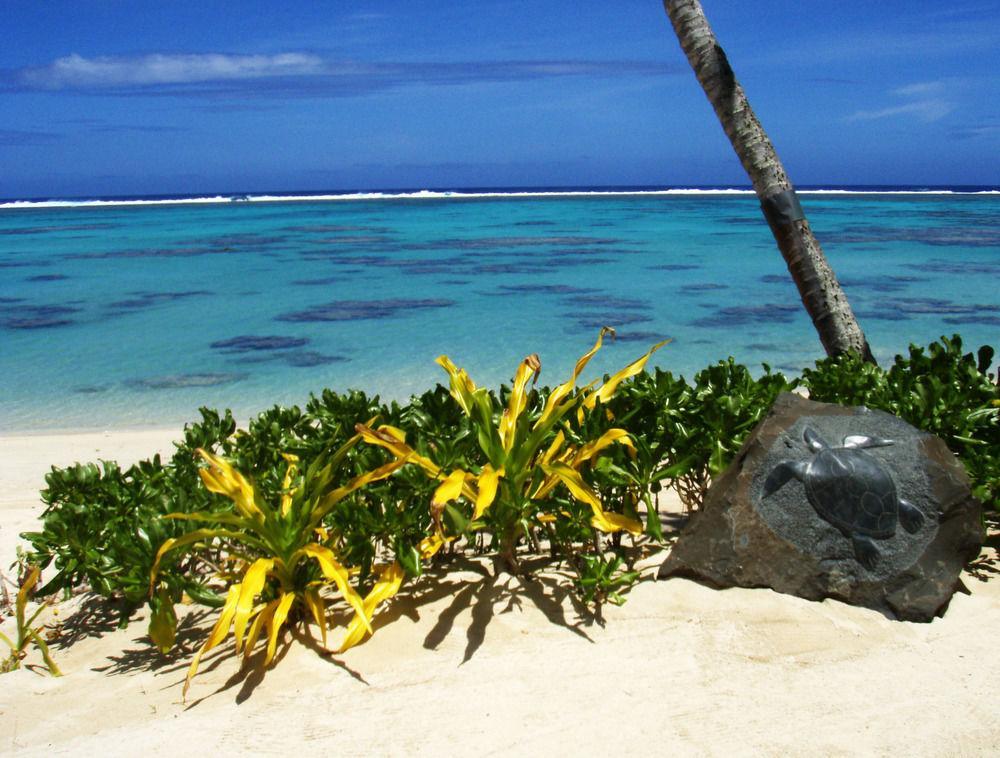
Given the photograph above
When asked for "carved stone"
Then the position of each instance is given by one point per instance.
(847, 503)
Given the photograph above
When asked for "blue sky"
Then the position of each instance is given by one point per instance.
(104, 97)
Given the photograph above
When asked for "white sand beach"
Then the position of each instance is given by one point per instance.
(473, 664)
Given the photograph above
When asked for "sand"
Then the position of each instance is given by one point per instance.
(471, 663)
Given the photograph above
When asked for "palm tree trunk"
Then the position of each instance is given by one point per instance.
(821, 294)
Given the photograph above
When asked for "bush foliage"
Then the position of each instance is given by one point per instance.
(459, 469)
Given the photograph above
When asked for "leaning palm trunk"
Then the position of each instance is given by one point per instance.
(821, 293)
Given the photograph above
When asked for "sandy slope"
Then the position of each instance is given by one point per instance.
(478, 664)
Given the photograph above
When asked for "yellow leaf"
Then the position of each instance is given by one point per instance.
(575, 484)
(332, 498)
(557, 443)
(550, 456)
(218, 634)
(260, 620)
(614, 522)
(222, 478)
(29, 584)
(607, 390)
(389, 581)
(318, 610)
(430, 545)
(559, 393)
(606, 522)
(333, 570)
(276, 622)
(487, 484)
(393, 440)
(591, 449)
(253, 583)
(449, 489)
(287, 492)
(529, 369)
(163, 622)
(461, 385)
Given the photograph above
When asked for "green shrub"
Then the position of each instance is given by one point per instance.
(103, 525)
(940, 390)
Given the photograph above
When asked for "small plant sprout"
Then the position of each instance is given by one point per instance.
(27, 633)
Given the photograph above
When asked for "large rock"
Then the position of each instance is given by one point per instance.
(746, 537)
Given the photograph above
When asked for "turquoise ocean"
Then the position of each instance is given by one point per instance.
(134, 312)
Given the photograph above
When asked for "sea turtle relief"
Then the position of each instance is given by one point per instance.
(852, 490)
(827, 501)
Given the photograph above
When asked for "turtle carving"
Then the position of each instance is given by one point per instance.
(851, 489)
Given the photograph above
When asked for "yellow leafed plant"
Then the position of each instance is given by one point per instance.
(528, 455)
(287, 559)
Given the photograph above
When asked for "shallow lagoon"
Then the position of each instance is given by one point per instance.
(135, 315)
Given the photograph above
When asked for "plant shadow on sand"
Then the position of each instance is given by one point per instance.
(93, 616)
(478, 593)
(986, 566)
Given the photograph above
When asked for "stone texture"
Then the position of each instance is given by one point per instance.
(741, 539)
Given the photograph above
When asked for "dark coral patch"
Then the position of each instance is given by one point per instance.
(674, 267)
(775, 279)
(91, 389)
(220, 245)
(50, 229)
(293, 358)
(36, 322)
(361, 310)
(480, 243)
(615, 320)
(883, 315)
(978, 318)
(976, 235)
(650, 337)
(881, 284)
(767, 313)
(699, 287)
(937, 306)
(36, 316)
(47, 278)
(151, 299)
(961, 268)
(248, 343)
(333, 228)
(184, 381)
(318, 282)
(607, 301)
(310, 358)
(547, 289)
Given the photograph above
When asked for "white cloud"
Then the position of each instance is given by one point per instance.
(926, 103)
(920, 88)
(925, 110)
(75, 71)
(291, 74)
